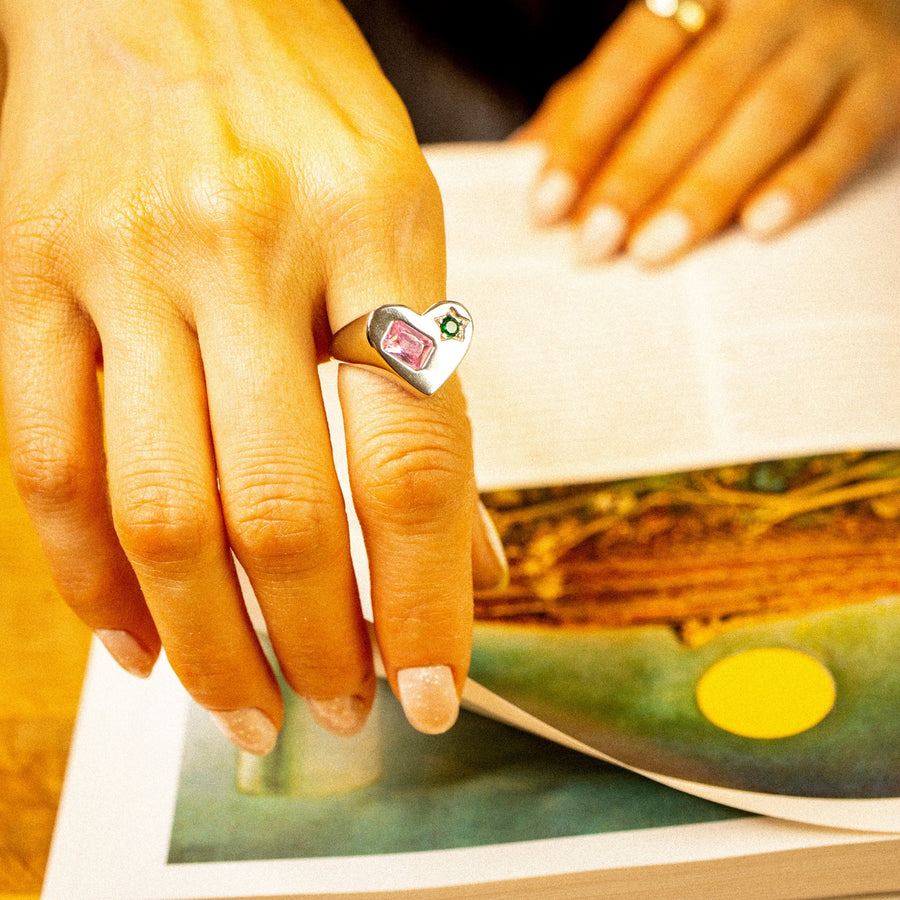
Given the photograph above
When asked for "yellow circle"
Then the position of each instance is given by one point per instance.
(769, 692)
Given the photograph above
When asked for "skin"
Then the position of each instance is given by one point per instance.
(197, 215)
(760, 118)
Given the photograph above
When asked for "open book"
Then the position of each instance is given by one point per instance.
(696, 474)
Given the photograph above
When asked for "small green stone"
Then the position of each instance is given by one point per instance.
(450, 326)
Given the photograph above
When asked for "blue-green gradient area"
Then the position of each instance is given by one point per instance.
(481, 783)
(631, 692)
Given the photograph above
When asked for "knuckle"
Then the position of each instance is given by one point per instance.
(161, 521)
(131, 212)
(32, 245)
(286, 526)
(387, 180)
(784, 104)
(699, 84)
(309, 672)
(208, 675)
(384, 203)
(413, 480)
(47, 473)
(241, 195)
(131, 226)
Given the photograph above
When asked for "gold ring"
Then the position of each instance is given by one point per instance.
(691, 15)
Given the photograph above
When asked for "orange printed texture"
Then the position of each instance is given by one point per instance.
(702, 551)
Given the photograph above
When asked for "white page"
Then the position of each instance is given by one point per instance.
(610, 371)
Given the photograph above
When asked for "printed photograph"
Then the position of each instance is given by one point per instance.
(394, 790)
(738, 626)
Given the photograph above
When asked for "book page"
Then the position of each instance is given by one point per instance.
(743, 351)
(608, 371)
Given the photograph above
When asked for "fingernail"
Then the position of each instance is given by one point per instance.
(428, 696)
(769, 213)
(663, 237)
(553, 196)
(250, 729)
(125, 649)
(602, 233)
(491, 567)
(343, 716)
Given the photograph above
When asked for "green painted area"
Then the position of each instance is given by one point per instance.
(631, 693)
(481, 783)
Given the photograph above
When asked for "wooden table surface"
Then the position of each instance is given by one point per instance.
(43, 650)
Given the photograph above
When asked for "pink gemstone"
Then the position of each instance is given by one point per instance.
(408, 345)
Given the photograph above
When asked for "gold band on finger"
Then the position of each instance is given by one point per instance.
(422, 351)
(691, 15)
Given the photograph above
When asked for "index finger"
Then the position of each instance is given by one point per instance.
(584, 114)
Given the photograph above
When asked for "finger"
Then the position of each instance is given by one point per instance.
(776, 117)
(585, 112)
(167, 515)
(410, 460)
(865, 114)
(48, 365)
(412, 483)
(490, 569)
(282, 501)
(682, 114)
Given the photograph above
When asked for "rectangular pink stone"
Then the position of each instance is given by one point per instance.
(407, 345)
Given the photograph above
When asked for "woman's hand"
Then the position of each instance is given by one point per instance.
(199, 194)
(660, 139)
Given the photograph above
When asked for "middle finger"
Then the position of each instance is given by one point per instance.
(282, 501)
(677, 119)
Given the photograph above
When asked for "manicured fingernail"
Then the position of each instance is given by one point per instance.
(125, 649)
(769, 213)
(250, 729)
(489, 562)
(553, 196)
(343, 716)
(602, 233)
(428, 696)
(662, 238)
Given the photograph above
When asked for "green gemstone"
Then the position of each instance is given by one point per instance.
(450, 326)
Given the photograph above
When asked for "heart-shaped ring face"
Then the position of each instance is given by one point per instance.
(424, 350)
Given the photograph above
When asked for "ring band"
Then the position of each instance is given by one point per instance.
(691, 15)
(421, 350)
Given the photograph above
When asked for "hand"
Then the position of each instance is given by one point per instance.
(659, 139)
(198, 194)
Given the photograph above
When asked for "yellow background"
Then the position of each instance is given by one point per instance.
(43, 649)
